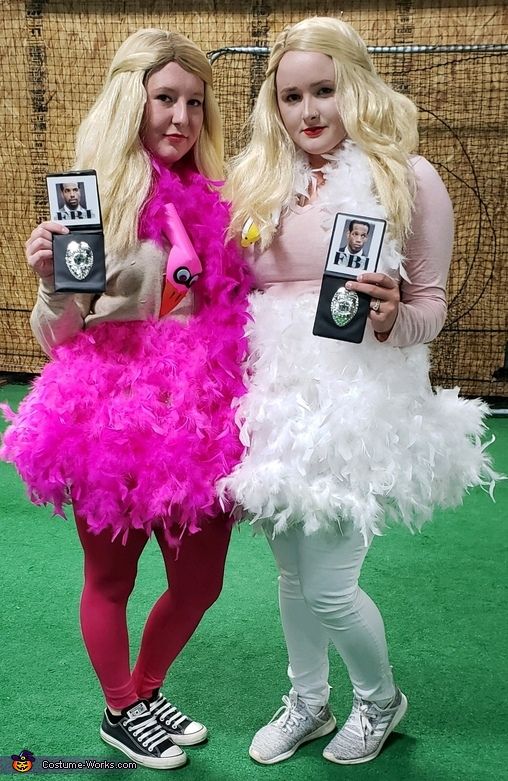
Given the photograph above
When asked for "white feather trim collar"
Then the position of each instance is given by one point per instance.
(348, 187)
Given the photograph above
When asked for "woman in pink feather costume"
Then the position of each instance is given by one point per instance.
(132, 419)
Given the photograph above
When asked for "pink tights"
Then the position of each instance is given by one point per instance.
(195, 575)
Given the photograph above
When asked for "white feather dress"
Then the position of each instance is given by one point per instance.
(335, 430)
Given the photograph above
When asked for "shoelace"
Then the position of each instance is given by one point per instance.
(366, 726)
(147, 731)
(369, 721)
(167, 712)
(290, 716)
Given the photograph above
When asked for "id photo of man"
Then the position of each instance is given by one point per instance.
(356, 237)
(355, 246)
(72, 202)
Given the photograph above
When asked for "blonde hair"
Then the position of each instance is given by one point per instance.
(108, 138)
(381, 121)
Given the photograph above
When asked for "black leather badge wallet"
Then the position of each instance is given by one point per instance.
(78, 256)
(355, 247)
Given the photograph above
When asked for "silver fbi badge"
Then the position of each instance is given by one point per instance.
(79, 259)
(344, 306)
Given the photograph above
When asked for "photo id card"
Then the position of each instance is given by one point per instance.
(74, 199)
(355, 247)
(78, 256)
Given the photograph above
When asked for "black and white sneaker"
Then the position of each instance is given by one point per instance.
(140, 736)
(183, 731)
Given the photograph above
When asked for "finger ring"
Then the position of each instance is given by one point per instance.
(375, 304)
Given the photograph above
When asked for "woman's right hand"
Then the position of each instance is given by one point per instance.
(39, 247)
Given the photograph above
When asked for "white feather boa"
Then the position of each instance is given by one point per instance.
(348, 187)
(347, 431)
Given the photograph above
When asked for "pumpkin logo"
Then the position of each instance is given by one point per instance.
(23, 761)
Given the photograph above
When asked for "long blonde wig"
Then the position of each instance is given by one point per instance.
(381, 121)
(108, 139)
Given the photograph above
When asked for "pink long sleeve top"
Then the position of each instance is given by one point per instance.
(294, 261)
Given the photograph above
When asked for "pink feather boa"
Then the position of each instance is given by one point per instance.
(133, 422)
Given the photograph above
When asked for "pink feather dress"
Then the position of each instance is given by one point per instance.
(133, 422)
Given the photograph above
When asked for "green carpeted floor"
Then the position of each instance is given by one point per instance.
(442, 594)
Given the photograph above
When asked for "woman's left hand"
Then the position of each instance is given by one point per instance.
(385, 294)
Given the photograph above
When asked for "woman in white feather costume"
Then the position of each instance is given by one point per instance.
(339, 436)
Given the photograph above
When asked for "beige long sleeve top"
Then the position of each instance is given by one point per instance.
(133, 292)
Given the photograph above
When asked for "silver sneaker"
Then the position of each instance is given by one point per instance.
(292, 725)
(365, 731)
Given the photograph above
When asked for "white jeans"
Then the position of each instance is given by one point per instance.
(320, 601)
